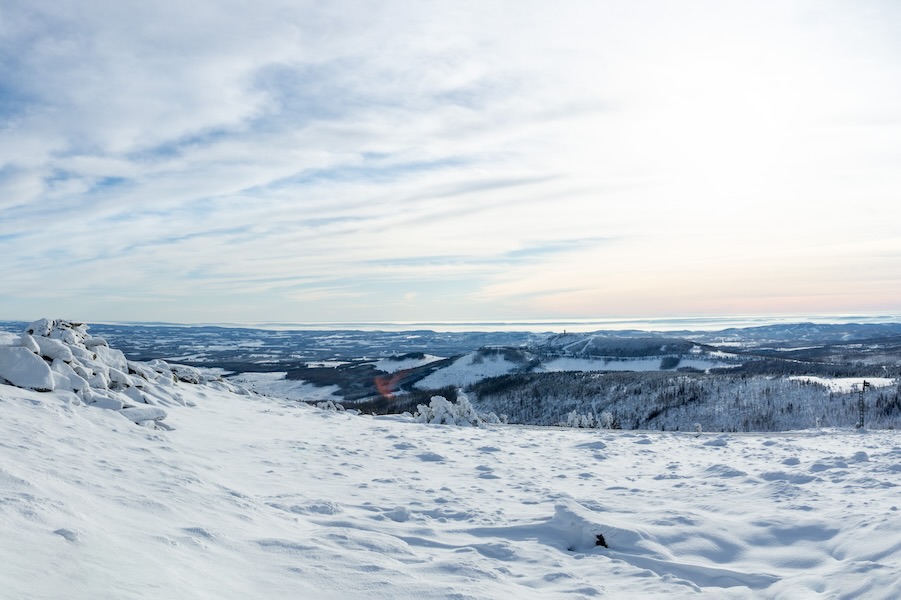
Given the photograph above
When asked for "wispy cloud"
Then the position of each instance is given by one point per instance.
(352, 161)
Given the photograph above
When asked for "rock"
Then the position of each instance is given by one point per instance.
(23, 368)
(98, 401)
(186, 373)
(26, 341)
(53, 349)
(111, 358)
(82, 372)
(118, 379)
(94, 342)
(99, 381)
(81, 353)
(143, 413)
(67, 332)
(40, 327)
(136, 395)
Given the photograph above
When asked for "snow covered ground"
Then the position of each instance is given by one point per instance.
(230, 495)
(252, 497)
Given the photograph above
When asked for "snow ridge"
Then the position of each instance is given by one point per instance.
(59, 355)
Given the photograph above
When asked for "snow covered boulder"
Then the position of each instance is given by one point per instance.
(40, 327)
(186, 373)
(58, 355)
(143, 413)
(25, 369)
(26, 341)
(52, 349)
(93, 342)
(111, 357)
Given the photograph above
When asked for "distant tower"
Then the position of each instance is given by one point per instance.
(860, 403)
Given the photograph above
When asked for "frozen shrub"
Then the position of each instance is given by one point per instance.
(574, 419)
(441, 412)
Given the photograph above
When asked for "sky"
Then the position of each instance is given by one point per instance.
(346, 161)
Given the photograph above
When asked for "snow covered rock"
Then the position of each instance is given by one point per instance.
(26, 341)
(58, 355)
(143, 413)
(40, 327)
(111, 357)
(25, 369)
(93, 342)
(52, 349)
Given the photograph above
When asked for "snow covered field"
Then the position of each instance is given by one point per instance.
(252, 497)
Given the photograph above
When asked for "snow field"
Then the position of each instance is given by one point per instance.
(393, 365)
(467, 370)
(263, 498)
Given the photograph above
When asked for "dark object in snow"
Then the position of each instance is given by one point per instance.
(601, 541)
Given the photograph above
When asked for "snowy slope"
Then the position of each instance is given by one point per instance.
(255, 497)
(252, 497)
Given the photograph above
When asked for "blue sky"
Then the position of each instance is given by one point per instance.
(433, 161)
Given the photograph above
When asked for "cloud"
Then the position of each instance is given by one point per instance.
(301, 160)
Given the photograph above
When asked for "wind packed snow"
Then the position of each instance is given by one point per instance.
(256, 497)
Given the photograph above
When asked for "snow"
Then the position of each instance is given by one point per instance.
(846, 384)
(628, 364)
(467, 370)
(275, 384)
(23, 368)
(393, 365)
(256, 497)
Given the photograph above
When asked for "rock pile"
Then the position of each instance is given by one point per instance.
(56, 355)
